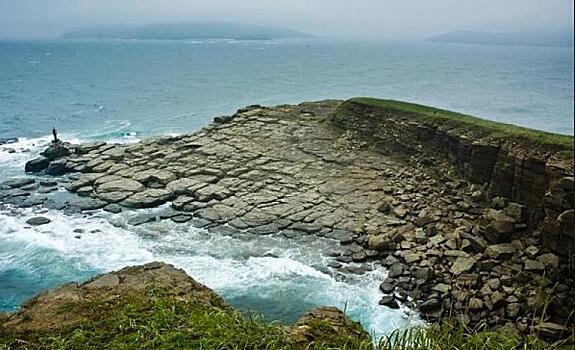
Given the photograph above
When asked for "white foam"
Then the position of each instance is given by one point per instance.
(101, 246)
(235, 268)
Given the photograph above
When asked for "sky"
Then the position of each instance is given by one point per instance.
(391, 19)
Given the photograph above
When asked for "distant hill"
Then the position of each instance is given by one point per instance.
(562, 38)
(184, 31)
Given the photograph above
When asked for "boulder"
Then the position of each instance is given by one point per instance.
(462, 265)
(422, 275)
(147, 199)
(38, 220)
(475, 304)
(380, 242)
(113, 208)
(82, 204)
(430, 305)
(389, 301)
(388, 285)
(113, 197)
(36, 165)
(84, 180)
(185, 186)
(124, 185)
(384, 207)
(549, 260)
(396, 270)
(56, 150)
(533, 265)
(500, 251)
(210, 192)
(88, 147)
(500, 230)
(518, 212)
(18, 182)
(8, 140)
(513, 310)
(424, 218)
(141, 219)
(400, 211)
(155, 178)
(58, 167)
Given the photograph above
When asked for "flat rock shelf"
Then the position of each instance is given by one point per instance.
(450, 247)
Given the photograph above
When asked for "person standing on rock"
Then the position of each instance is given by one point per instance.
(55, 133)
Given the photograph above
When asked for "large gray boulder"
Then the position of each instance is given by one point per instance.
(56, 150)
(36, 165)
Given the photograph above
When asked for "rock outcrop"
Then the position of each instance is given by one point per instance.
(480, 230)
(535, 174)
(134, 300)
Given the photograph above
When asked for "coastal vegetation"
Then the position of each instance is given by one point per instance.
(136, 308)
(482, 127)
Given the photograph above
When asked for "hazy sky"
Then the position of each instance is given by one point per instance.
(369, 18)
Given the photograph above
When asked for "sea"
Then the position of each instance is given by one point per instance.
(126, 90)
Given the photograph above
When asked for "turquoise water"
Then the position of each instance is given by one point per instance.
(125, 90)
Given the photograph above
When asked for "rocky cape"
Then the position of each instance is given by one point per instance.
(470, 223)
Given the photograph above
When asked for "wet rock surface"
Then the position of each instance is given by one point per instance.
(450, 247)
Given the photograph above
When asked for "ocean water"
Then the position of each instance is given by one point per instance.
(122, 91)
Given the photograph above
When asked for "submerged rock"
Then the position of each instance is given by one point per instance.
(39, 220)
(18, 182)
(8, 140)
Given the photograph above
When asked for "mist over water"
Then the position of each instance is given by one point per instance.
(108, 88)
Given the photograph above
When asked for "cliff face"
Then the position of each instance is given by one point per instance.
(537, 175)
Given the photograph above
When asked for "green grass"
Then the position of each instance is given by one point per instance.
(154, 320)
(448, 335)
(485, 128)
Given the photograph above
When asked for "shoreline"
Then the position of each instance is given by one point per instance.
(451, 248)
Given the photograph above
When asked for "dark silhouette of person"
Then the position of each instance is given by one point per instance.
(55, 133)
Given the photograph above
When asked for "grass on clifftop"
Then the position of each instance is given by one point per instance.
(448, 335)
(486, 127)
(154, 320)
(150, 320)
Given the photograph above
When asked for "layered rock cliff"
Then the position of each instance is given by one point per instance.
(525, 166)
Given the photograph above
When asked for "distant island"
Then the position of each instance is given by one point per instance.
(185, 31)
(557, 39)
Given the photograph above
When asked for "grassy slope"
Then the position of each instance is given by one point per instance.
(153, 320)
(484, 127)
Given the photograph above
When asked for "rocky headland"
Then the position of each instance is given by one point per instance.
(472, 219)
